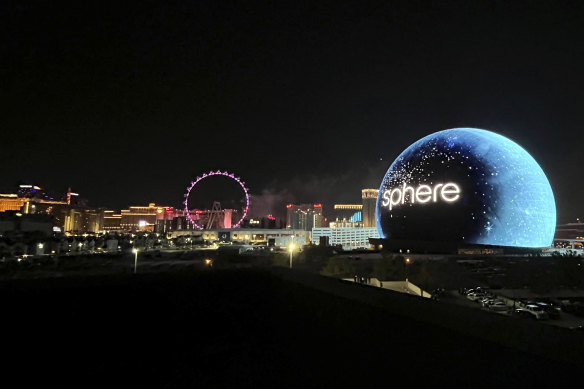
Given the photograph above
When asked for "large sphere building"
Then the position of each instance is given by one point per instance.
(466, 186)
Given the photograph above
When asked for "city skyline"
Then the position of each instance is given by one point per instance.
(306, 103)
(292, 194)
(265, 208)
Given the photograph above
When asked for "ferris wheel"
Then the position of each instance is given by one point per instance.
(190, 188)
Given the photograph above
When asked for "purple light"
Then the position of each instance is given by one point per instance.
(211, 173)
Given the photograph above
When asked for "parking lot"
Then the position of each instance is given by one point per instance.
(524, 306)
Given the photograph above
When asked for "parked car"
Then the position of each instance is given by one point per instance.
(522, 303)
(478, 289)
(573, 307)
(538, 311)
(499, 306)
(568, 306)
(474, 296)
(486, 298)
(490, 301)
(552, 311)
(522, 312)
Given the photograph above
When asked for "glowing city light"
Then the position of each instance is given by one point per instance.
(483, 188)
(448, 192)
(217, 173)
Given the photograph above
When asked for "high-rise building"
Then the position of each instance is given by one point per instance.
(72, 197)
(166, 220)
(140, 218)
(215, 218)
(304, 216)
(68, 214)
(92, 221)
(33, 192)
(369, 197)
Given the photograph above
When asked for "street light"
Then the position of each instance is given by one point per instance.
(291, 248)
(135, 251)
(407, 263)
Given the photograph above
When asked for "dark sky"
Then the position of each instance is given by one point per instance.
(128, 102)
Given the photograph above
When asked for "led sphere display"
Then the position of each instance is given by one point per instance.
(469, 186)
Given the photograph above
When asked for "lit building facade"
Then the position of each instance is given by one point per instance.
(33, 192)
(344, 235)
(72, 222)
(141, 218)
(72, 197)
(214, 219)
(369, 198)
(348, 212)
(66, 215)
(11, 202)
(265, 222)
(304, 216)
(112, 221)
(570, 231)
(258, 236)
(30, 199)
(92, 221)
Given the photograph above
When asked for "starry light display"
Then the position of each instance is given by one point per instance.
(215, 173)
(505, 197)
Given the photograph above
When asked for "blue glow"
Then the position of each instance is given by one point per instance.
(356, 217)
(506, 199)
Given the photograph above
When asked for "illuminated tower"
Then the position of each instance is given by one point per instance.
(369, 197)
(72, 198)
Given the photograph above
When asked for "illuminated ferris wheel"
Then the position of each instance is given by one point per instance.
(216, 207)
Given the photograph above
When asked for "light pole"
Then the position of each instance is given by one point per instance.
(135, 251)
(291, 248)
(407, 263)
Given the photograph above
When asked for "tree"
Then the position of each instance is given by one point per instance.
(423, 278)
(389, 267)
(281, 259)
(338, 267)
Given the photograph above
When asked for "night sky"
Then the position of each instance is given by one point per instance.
(306, 101)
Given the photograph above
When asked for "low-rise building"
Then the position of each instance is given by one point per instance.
(345, 235)
(266, 236)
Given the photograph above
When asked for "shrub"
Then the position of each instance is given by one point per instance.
(338, 267)
(389, 267)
